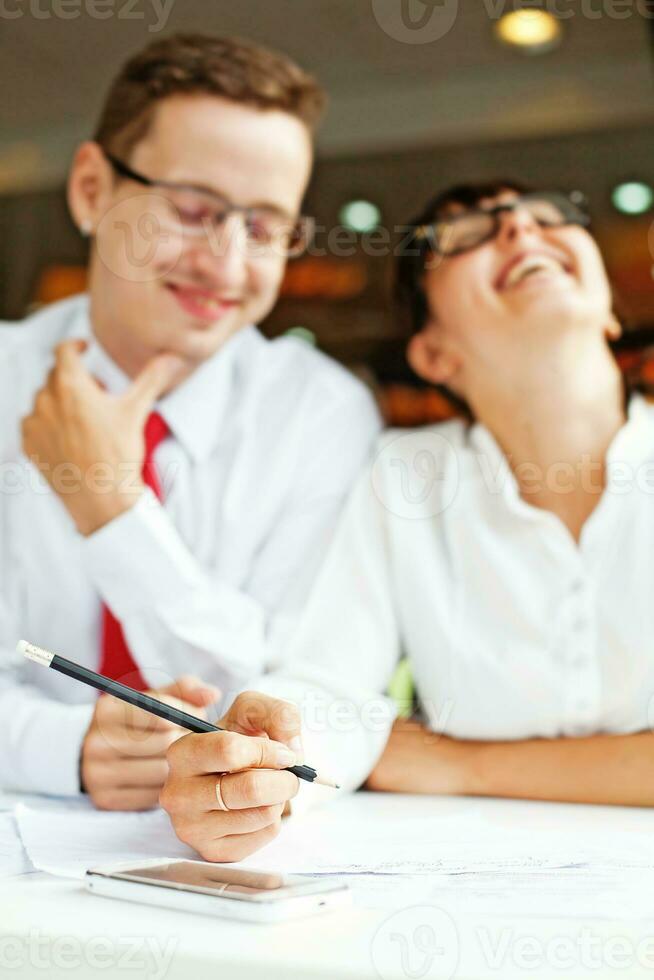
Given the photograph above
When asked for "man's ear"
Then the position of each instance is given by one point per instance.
(90, 184)
(428, 358)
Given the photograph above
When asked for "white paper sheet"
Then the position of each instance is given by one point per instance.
(68, 840)
(364, 833)
(576, 893)
(493, 855)
(13, 857)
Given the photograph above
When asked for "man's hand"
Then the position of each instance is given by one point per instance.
(123, 763)
(89, 444)
(239, 768)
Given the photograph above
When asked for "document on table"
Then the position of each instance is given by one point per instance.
(68, 840)
(13, 856)
(372, 834)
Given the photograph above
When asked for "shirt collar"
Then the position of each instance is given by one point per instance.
(632, 444)
(635, 440)
(196, 409)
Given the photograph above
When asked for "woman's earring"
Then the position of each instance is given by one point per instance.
(86, 227)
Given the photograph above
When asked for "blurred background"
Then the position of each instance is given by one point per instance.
(423, 93)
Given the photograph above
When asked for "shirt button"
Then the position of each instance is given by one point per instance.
(577, 587)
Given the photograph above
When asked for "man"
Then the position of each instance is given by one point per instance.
(507, 555)
(170, 478)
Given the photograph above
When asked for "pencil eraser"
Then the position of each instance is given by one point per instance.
(36, 654)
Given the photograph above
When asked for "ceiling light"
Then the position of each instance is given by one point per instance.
(632, 197)
(535, 31)
(360, 216)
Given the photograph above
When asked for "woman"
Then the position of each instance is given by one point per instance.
(508, 556)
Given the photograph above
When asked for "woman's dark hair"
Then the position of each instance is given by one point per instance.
(410, 297)
(409, 291)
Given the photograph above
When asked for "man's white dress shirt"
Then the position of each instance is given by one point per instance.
(267, 438)
(513, 630)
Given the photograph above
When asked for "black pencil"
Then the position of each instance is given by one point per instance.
(144, 701)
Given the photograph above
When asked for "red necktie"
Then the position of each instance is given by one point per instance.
(116, 661)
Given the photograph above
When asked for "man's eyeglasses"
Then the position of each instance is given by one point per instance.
(461, 232)
(187, 210)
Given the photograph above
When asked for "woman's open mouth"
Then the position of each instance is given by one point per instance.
(531, 265)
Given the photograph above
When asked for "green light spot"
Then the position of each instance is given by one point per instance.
(633, 197)
(360, 216)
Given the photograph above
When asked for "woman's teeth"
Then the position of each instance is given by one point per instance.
(534, 263)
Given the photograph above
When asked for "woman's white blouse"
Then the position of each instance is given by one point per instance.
(513, 630)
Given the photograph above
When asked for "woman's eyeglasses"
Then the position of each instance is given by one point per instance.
(462, 232)
(187, 210)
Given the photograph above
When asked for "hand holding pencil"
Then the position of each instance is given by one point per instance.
(228, 817)
(226, 788)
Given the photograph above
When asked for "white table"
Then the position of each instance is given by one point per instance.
(51, 928)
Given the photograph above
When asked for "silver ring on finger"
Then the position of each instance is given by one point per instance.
(219, 795)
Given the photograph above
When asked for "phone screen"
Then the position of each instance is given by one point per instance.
(225, 881)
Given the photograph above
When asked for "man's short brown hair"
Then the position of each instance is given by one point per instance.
(197, 64)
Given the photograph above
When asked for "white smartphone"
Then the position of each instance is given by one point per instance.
(234, 893)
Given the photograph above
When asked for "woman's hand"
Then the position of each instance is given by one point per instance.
(614, 769)
(417, 760)
(226, 791)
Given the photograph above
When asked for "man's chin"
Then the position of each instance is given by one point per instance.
(198, 344)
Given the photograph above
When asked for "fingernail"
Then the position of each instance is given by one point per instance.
(296, 744)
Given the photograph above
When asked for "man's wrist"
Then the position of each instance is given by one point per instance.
(89, 517)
